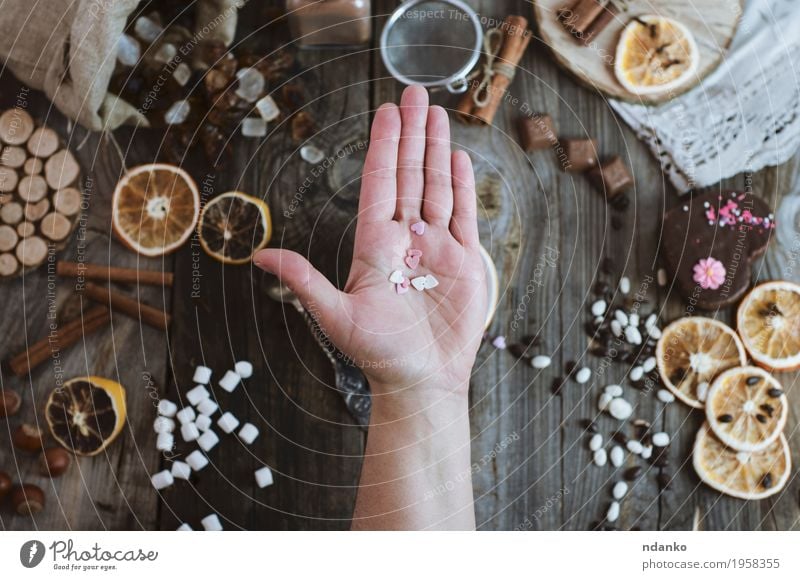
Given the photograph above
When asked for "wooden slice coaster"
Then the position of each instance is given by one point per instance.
(591, 58)
(40, 199)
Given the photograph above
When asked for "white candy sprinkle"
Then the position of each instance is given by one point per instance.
(613, 390)
(201, 375)
(186, 415)
(660, 439)
(600, 457)
(264, 477)
(632, 335)
(189, 432)
(228, 422)
(163, 425)
(203, 422)
(244, 369)
(649, 364)
(254, 127)
(267, 108)
(128, 50)
(311, 154)
(196, 460)
(197, 394)
(604, 400)
(662, 277)
(654, 332)
(616, 328)
(702, 391)
(147, 29)
(165, 53)
(184, 527)
(633, 319)
(211, 523)
(162, 479)
(625, 285)
(431, 282)
(583, 375)
(621, 317)
(617, 456)
(599, 308)
(651, 321)
(207, 407)
(665, 396)
(248, 433)
(167, 408)
(230, 381)
(647, 452)
(181, 470)
(620, 409)
(634, 446)
(251, 84)
(596, 442)
(636, 373)
(418, 283)
(177, 113)
(541, 361)
(619, 490)
(165, 441)
(182, 74)
(208, 440)
(613, 512)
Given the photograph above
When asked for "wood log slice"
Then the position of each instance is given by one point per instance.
(11, 213)
(8, 238)
(31, 251)
(43, 142)
(16, 126)
(8, 179)
(55, 226)
(25, 229)
(32, 188)
(67, 201)
(33, 166)
(36, 211)
(61, 170)
(13, 156)
(8, 265)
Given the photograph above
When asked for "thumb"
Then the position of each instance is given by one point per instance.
(313, 289)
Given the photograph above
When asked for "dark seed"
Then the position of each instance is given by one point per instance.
(775, 392)
(620, 437)
(620, 202)
(767, 408)
(607, 265)
(601, 288)
(761, 418)
(725, 418)
(517, 350)
(588, 425)
(660, 460)
(632, 472)
(590, 328)
(531, 340)
(555, 388)
(754, 380)
(663, 480)
(569, 367)
(766, 480)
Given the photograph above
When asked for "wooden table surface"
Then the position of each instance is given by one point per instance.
(547, 232)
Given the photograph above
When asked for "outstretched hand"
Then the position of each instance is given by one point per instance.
(419, 339)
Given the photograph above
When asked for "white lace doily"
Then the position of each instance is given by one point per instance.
(742, 117)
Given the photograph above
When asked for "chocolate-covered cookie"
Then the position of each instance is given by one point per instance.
(710, 242)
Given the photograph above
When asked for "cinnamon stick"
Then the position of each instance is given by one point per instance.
(129, 306)
(60, 339)
(516, 37)
(113, 274)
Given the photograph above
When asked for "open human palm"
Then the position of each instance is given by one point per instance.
(418, 337)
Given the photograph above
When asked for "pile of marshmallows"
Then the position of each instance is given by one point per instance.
(196, 425)
(401, 281)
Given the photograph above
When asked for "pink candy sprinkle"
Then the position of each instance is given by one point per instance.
(401, 289)
(414, 253)
(412, 262)
(499, 342)
(405, 283)
(418, 228)
(709, 273)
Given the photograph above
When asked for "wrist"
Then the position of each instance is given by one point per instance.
(434, 404)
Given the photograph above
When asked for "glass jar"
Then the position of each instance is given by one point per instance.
(330, 23)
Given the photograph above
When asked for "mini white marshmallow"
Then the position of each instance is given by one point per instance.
(203, 422)
(181, 470)
(208, 440)
(186, 415)
(228, 422)
(196, 460)
(396, 277)
(165, 441)
(201, 375)
(163, 425)
(162, 479)
(264, 477)
(244, 369)
(189, 432)
(418, 283)
(431, 282)
(248, 433)
(583, 375)
(197, 394)
(229, 381)
(211, 523)
(167, 408)
(207, 407)
(184, 527)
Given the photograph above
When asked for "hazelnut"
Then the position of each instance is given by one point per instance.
(5, 485)
(27, 499)
(28, 438)
(10, 402)
(55, 461)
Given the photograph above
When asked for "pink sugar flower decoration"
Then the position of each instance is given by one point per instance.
(709, 273)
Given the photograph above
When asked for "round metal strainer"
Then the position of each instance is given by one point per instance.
(434, 43)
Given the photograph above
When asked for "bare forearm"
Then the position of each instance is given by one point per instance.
(416, 472)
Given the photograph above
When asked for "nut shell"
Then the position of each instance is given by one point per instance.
(10, 402)
(28, 437)
(27, 499)
(54, 461)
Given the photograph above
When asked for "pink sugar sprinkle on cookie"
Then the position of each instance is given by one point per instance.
(414, 253)
(418, 228)
(412, 262)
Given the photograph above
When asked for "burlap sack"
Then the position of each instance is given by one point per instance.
(67, 48)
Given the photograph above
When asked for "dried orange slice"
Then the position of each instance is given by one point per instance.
(655, 55)
(155, 208)
(86, 414)
(741, 474)
(233, 226)
(692, 351)
(746, 408)
(768, 320)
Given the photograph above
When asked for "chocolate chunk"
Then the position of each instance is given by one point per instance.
(581, 154)
(611, 178)
(536, 132)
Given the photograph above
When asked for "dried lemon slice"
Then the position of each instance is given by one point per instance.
(233, 226)
(768, 320)
(746, 408)
(741, 474)
(86, 414)
(692, 351)
(655, 54)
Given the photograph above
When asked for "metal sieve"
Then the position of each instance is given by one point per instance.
(434, 43)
